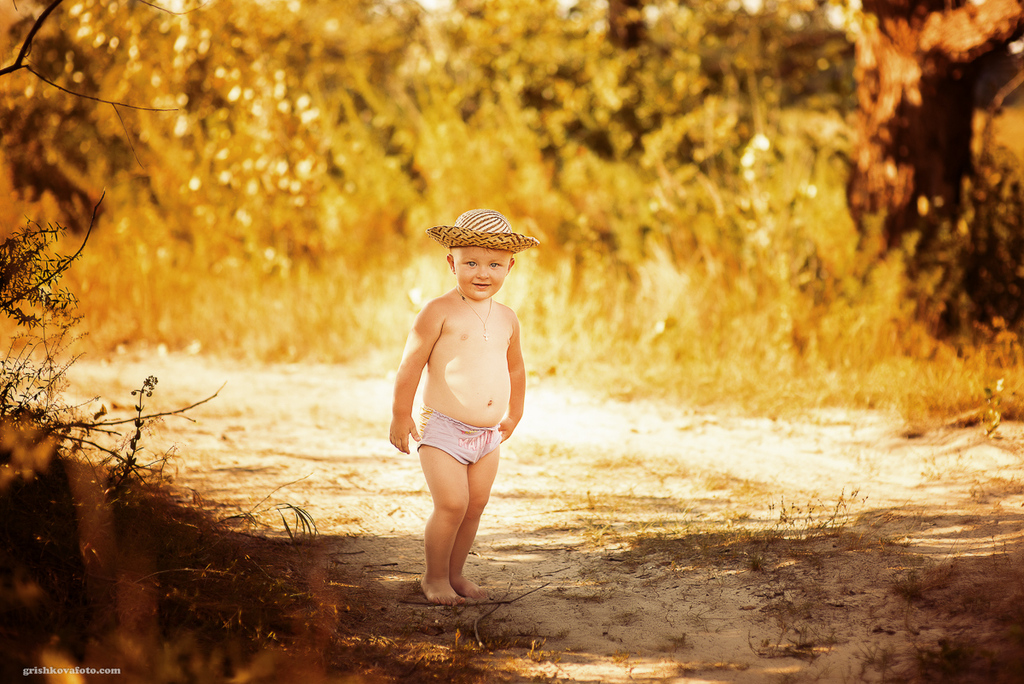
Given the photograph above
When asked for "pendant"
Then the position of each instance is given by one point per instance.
(486, 338)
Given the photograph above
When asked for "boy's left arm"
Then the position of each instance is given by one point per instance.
(517, 376)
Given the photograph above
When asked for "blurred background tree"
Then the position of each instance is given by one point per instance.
(919, 65)
(921, 70)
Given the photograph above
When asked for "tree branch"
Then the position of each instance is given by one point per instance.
(177, 14)
(88, 427)
(127, 136)
(26, 47)
(499, 604)
(96, 99)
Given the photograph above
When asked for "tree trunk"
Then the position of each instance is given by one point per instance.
(917, 67)
(626, 23)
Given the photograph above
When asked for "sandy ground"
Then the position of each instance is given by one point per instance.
(659, 543)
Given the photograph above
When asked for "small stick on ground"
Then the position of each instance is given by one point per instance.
(499, 604)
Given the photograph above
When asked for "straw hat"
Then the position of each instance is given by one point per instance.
(482, 228)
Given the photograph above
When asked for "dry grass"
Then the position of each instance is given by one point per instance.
(703, 344)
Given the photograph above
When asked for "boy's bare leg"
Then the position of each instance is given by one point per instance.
(448, 481)
(481, 476)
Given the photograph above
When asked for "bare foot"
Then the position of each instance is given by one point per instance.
(441, 593)
(464, 587)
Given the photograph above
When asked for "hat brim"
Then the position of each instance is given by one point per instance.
(454, 236)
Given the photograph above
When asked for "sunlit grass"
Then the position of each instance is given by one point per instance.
(660, 330)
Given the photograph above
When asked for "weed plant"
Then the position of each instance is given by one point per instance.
(816, 519)
(127, 463)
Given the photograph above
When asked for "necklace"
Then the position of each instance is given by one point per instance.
(490, 303)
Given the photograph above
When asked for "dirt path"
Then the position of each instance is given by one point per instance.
(659, 543)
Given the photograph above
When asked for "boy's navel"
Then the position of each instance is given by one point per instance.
(464, 337)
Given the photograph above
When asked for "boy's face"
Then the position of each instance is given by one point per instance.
(480, 272)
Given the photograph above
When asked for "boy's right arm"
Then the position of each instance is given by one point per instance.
(425, 331)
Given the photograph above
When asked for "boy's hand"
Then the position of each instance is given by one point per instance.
(401, 428)
(506, 427)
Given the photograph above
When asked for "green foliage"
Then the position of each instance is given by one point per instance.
(301, 519)
(28, 275)
(42, 314)
(303, 522)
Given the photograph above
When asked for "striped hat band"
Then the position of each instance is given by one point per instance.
(482, 228)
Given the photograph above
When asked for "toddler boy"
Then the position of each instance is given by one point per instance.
(473, 396)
